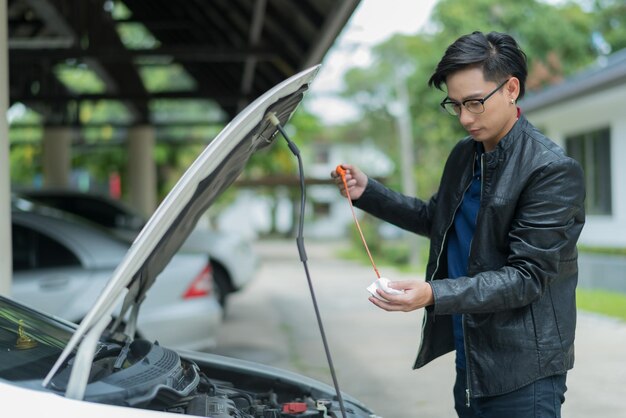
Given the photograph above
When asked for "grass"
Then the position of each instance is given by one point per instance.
(603, 302)
(602, 250)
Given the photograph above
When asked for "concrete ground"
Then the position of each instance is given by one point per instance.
(273, 322)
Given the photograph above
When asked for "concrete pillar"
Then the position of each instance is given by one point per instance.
(6, 258)
(57, 156)
(141, 174)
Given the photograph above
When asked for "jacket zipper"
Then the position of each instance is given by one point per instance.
(468, 391)
(432, 277)
(482, 178)
(452, 220)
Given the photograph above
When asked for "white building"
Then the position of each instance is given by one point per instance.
(586, 114)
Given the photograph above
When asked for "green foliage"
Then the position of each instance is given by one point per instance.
(171, 77)
(120, 11)
(609, 22)
(103, 111)
(135, 35)
(25, 151)
(603, 302)
(25, 163)
(110, 160)
(556, 38)
(79, 78)
(186, 110)
(618, 251)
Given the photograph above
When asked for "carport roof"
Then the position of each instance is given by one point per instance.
(233, 50)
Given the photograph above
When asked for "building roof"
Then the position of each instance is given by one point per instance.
(606, 73)
(233, 50)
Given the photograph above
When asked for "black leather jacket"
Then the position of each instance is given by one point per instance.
(518, 299)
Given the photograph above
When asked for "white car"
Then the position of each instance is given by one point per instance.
(233, 259)
(52, 368)
(61, 264)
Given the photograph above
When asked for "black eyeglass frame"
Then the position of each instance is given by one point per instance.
(464, 102)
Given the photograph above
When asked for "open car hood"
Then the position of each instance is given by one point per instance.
(211, 173)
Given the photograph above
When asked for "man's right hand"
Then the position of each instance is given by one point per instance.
(355, 178)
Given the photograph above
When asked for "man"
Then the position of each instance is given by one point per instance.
(503, 225)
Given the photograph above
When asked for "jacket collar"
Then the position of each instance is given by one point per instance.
(515, 131)
(506, 142)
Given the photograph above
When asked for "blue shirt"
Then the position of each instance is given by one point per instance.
(459, 242)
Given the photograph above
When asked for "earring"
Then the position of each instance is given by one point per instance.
(512, 101)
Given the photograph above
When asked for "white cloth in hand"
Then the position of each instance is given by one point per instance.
(383, 284)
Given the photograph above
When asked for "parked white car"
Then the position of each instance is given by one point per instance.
(61, 265)
(233, 259)
(50, 367)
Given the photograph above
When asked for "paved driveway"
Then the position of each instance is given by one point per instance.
(273, 321)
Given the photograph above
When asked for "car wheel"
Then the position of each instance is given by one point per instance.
(221, 284)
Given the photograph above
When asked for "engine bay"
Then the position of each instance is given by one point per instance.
(145, 375)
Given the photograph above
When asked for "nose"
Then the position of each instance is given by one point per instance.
(466, 117)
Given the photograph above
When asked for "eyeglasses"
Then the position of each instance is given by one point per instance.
(476, 106)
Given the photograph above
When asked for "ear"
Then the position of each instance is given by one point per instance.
(512, 88)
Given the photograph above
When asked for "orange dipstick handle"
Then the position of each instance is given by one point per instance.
(340, 170)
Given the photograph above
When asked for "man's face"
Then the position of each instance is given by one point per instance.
(499, 114)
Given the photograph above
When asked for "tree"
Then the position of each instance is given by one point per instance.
(609, 25)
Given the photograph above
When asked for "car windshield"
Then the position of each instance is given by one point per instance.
(30, 343)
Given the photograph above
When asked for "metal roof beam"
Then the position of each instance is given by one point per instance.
(178, 53)
(230, 99)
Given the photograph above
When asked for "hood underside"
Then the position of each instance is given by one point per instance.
(218, 166)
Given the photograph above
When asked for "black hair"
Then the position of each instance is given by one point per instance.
(498, 54)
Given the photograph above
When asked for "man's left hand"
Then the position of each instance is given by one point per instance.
(417, 294)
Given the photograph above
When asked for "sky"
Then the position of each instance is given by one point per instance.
(373, 22)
